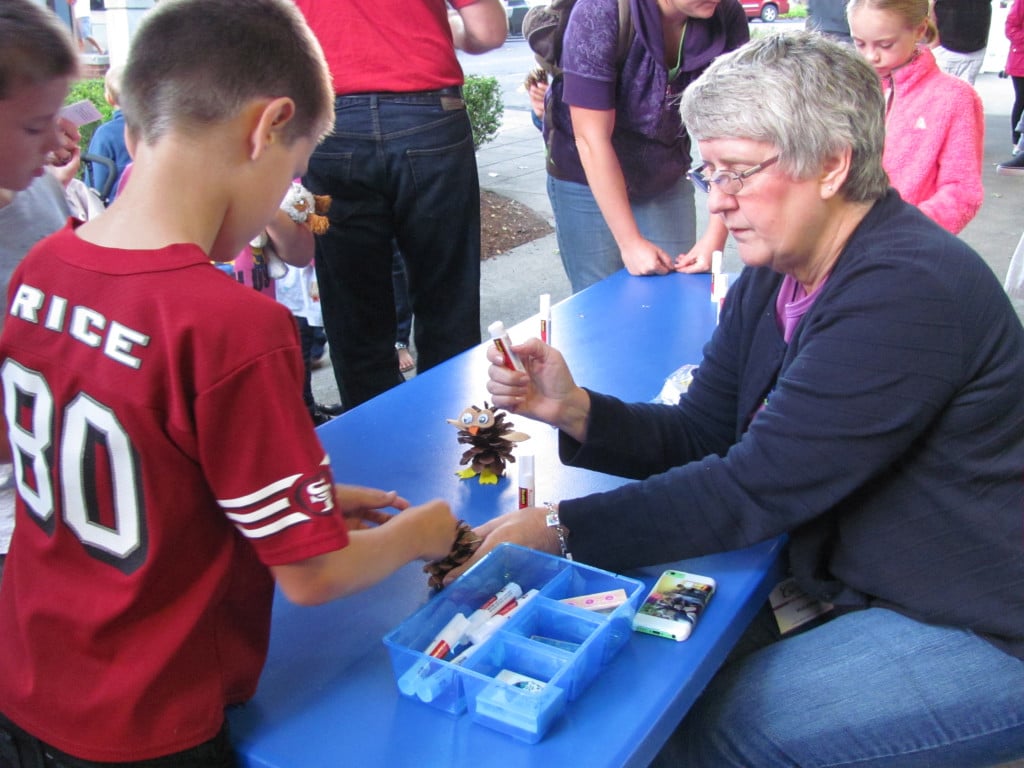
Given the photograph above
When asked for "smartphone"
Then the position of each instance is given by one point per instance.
(674, 605)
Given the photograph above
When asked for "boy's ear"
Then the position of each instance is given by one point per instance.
(270, 123)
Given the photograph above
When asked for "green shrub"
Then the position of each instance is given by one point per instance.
(795, 12)
(93, 91)
(483, 102)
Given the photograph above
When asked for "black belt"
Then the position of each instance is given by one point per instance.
(452, 91)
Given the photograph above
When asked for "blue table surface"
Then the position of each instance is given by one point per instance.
(328, 695)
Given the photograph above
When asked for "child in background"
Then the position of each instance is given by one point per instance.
(298, 291)
(174, 473)
(935, 124)
(108, 140)
(1014, 29)
(37, 64)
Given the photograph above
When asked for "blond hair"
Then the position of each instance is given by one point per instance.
(911, 12)
(112, 84)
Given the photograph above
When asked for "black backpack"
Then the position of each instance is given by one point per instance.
(544, 28)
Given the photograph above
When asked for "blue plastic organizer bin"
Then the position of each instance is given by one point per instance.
(575, 642)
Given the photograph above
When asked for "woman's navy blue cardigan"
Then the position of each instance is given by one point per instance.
(890, 445)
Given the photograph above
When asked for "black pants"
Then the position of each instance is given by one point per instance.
(1018, 107)
(19, 749)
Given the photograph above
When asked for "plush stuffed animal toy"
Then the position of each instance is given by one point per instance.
(302, 207)
(305, 207)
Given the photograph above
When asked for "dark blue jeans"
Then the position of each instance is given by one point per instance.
(398, 168)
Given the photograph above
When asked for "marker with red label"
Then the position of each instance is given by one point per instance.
(527, 491)
(431, 686)
(448, 637)
(716, 272)
(504, 345)
(439, 647)
(494, 604)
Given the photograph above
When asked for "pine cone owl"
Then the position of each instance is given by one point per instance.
(491, 441)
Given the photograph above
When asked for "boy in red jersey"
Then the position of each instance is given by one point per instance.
(154, 512)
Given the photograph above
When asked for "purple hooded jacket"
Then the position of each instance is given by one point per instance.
(649, 138)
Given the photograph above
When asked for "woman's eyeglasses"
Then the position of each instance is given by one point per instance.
(728, 182)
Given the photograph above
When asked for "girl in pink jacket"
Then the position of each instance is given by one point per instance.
(935, 126)
(1015, 62)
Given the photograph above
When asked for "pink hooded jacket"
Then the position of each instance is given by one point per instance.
(1015, 34)
(934, 141)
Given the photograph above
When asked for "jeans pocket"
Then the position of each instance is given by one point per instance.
(326, 169)
(447, 168)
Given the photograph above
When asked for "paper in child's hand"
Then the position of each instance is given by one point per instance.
(81, 113)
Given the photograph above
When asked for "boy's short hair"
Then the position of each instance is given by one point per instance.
(194, 63)
(34, 46)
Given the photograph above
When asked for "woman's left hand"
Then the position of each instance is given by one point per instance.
(526, 527)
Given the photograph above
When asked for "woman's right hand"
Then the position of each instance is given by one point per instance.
(546, 391)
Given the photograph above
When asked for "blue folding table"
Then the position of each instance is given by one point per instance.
(328, 697)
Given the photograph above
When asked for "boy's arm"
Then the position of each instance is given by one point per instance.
(293, 242)
(423, 532)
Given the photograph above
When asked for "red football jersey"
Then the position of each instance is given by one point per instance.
(163, 459)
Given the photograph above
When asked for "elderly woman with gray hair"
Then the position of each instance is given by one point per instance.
(864, 394)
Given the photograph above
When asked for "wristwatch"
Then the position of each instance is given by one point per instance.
(561, 531)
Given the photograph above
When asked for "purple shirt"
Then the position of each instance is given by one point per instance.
(649, 138)
(792, 304)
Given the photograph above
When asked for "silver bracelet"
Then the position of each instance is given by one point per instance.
(561, 531)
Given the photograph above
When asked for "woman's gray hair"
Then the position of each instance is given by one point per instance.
(802, 93)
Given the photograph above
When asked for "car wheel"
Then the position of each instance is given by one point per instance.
(769, 13)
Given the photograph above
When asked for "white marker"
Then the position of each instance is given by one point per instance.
(545, 318)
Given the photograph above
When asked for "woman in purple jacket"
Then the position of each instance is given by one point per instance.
(618, 152)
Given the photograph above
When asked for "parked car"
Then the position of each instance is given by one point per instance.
(516, 10)
(765, 10)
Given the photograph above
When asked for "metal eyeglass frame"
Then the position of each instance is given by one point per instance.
(728, 182)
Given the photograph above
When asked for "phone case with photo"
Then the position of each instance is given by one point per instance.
(674, 605)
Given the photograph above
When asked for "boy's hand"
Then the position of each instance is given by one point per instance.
(362, 507)
(68, 138)
(435, 528)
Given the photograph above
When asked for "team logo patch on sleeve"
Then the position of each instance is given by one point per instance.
(316, 494)
(282, 504)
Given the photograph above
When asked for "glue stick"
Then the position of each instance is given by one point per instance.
(721, 288)
(527, 491)
(504, 345)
